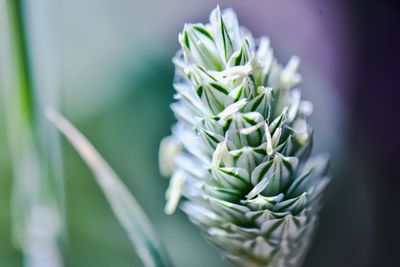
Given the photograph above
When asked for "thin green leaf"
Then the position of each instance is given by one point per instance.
(125, 207)
(37, 202)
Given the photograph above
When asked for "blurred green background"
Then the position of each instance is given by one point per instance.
(110, 62)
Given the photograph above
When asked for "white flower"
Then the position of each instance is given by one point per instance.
(239, 153)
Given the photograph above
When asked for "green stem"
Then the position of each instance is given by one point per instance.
(34, 202)
(20, 54)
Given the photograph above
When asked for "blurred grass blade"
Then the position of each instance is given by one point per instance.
(123, 204)
(35, 207)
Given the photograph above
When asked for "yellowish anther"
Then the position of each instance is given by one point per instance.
(252, 129)
(217, 156)
(235, 72)
(301, 130)
(221, 154)
(169, 148)
(276, 136)
(306, 108)
(294, 107)
(289, 75)
(232, 109)
(226, 157)
(263, 48)
(270, 150)
(174, 192)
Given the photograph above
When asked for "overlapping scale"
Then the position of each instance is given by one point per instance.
(240, 151)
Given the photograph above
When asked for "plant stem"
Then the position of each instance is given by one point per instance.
(36, 219)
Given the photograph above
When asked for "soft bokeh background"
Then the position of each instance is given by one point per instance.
(110, 61)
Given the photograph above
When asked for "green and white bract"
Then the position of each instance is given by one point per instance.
(240, 151)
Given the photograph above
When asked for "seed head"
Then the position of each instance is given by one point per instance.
(239, 154)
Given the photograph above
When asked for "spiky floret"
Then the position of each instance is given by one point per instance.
(240, 151)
